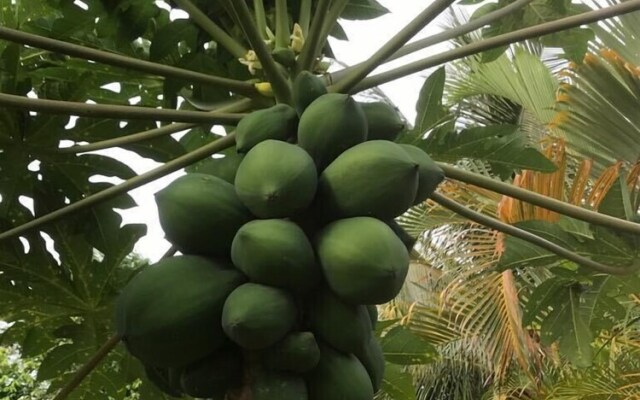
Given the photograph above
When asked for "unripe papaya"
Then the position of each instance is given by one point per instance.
(306, 88)
(376, 178)
(212, 376)
(284, 56)
(363, 261)
(201, 214)
(169, 314)
(276, 179)
(330, 125)
(372, 358)
(339, 376)
(270, 385)
(383, 120)
(345, 327)
(275, 252)
(297, 352)
(257, 316)
(430, 175)
(165, 379)
(278, 122)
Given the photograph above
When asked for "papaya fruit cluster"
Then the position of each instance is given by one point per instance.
(283, 260)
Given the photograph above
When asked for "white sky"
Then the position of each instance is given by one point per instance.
(365, 38)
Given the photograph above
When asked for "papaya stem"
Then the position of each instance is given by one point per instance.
(115, 111)
(532, 238)
(393, 45)
(498, 41)
(337, 6)
(216, 33)
(87, 53)
(133, 183)
(448, 34)
(89, 366)
(539, 200)
(239, 106)
(279, 84)
(283, 32)
(309, 54)
(261, 18)
(305, 16)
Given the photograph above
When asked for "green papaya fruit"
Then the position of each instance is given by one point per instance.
(284, 56)
(330, 125)
(339, 376)
(200, 214)
(167, 380)
(257, 316)
(430, 175)
(345, 327)
(213, 375)
(275, 252)
(306, 88)
(408, 240)
(362, 260)
(376, 178)
(278, 122)
(224, 168)
(276, 179)
(373, 315)
(270, 385)
(372, 358)
(297, 352)
(169, 314)
(383, 120)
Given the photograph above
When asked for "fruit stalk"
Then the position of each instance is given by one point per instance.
(532, 238)
(498, 41)
(87, 53)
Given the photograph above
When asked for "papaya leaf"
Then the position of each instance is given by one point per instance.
(566, 325)
(544, 296)
(429, 108)
(363, 10)
(166, 40)
(403, 347)
(398, 383)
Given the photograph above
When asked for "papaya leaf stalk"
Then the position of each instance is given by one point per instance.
(282, 24)
(279, 84)
(115, 111)
(87, 53)
(124, 187)
(261, 18)
(539, 200)
(393, 45)
(495, 42)
(532, 238)
(305, 16)
(308, 54)
(448, 34)
(336, 9)
(89, 366)
(216, 33)
(239, 106)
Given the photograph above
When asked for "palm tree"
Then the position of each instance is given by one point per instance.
(487, 323)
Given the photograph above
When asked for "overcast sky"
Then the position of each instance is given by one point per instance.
(365, 38)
